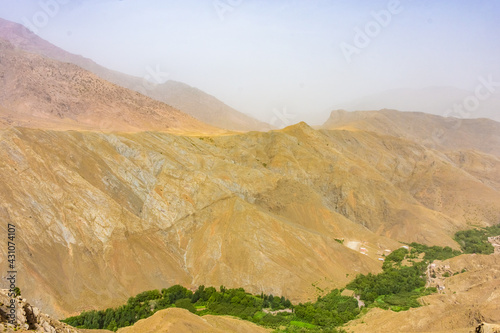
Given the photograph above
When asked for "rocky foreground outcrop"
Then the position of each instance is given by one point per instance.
(28, 317)
(177, 320)
(488, 328)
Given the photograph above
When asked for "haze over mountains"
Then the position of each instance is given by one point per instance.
(113, 198)
(179, 95)
(45, 93)
(432, 131)
(437, 100)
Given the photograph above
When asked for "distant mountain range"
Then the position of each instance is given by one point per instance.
(41, 92)
(192, 101)
(435, 100)
(431, 130)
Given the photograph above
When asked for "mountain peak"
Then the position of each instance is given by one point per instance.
(302, 126)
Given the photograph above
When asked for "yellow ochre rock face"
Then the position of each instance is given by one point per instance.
(102, 217)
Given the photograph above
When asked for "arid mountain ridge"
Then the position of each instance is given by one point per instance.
(105, 215)
(433, 131)
(257, 210)
(192, 101)
(44, 93)
(440, 100)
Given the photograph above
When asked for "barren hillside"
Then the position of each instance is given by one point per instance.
(44, 93)
(204, 107)
(189, 100)
(105, 216)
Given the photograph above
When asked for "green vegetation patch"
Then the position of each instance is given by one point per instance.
(330, 310)
(397, 288)
(404, 300)
(476, 240)
(302, 324)
(434, 252)
(234, 302)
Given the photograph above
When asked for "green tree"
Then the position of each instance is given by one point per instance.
(276, 302)
(185, 303)
(112, 326)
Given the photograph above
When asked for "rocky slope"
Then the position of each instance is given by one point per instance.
(189, 100)
(28, 317)
(487, 328)
(105, 216)
(44, 93)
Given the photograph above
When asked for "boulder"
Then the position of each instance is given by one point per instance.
(488, 328)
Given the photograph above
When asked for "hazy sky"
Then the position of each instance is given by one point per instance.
(299, 58)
